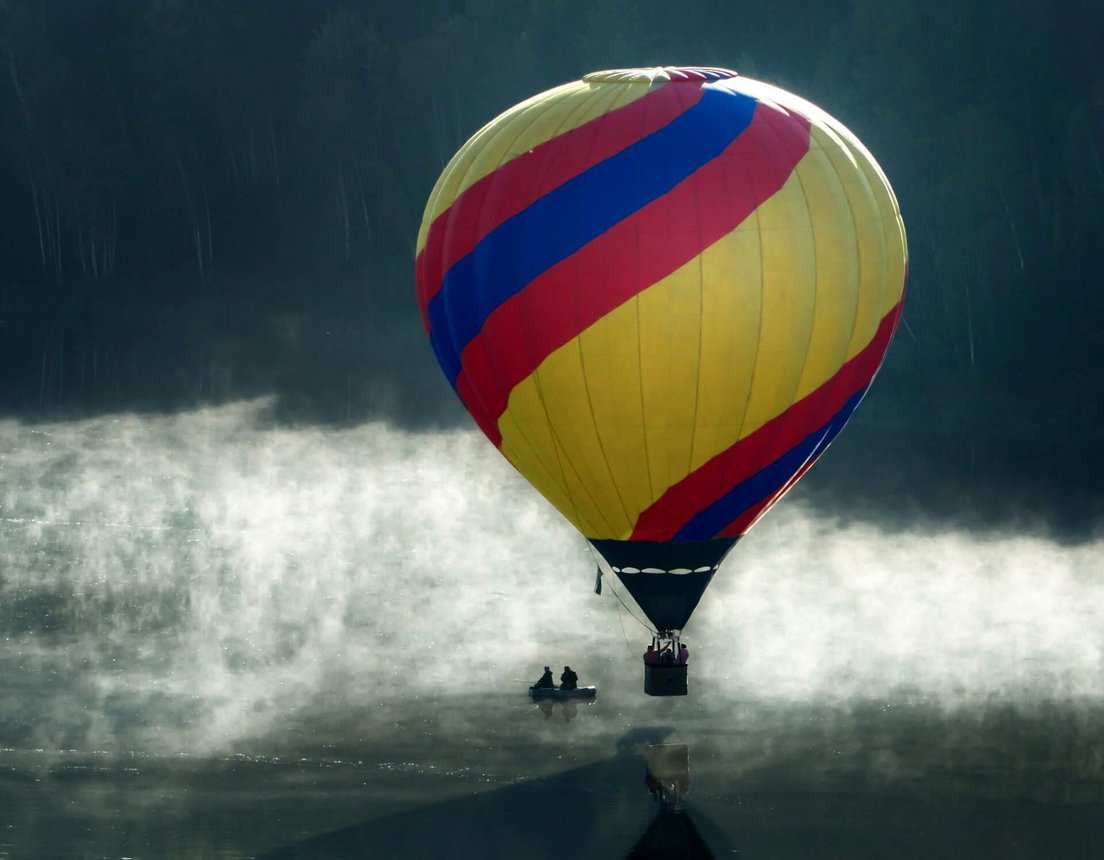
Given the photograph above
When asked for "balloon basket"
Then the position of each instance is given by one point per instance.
(665, 680)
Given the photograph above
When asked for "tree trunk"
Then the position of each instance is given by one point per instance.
(1012, 225)
(275, 154)
(363, 203)
(85, 266)
(113, 242)
(42, 378)
(344, 212)
(38, 223)
(193, 214)
(13, 73)
(57, 239)
(207, 216)
(252, 152)
(197, 241)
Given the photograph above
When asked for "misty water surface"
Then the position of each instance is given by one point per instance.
(203, 594)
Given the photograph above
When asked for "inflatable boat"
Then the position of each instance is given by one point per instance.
(557, 693)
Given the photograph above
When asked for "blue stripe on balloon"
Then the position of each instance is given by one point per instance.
(767, 481)
(564, 220)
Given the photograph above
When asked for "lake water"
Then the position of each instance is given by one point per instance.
(224, 639)
(496, 777)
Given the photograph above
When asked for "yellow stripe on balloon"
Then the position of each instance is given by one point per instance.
(732, 301)
(835, 247)
(789, 284)
(893, 228)
(552, 447)
(519, 130)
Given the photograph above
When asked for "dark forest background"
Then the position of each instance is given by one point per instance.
(207, 200)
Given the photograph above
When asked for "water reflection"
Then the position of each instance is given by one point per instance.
(567, 710)
(492, 778)
(599, 810)
(672, 834)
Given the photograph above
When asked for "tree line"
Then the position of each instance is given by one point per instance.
(205, 200)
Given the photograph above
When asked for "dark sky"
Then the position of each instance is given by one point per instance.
(207, 201)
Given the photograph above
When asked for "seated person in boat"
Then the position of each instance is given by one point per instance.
(546, 682)
(568, 679)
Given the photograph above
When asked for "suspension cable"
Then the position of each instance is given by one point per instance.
(647, 627)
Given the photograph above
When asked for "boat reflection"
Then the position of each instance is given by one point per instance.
(568, 710)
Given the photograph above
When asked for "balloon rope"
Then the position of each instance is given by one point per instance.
(621, 621)
(609, 581)
(647, 627)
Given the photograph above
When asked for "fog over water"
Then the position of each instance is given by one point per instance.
(205, 582)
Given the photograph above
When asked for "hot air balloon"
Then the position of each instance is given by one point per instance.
(661, 293)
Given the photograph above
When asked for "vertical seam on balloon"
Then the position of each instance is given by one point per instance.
(480, 403)
(538, 389)
(557, 446)
(816, 280)
(868, 163)
(701, 336)
(880, 215)
(525, 322)
(814, 454)
(812, 323)
(762, 293)
(594, 502)
(882, 263)
(855, 280)
(629, 520)
(640, 368)
(859, 262)
(448, 228)
(790, 399)
(640, 388)
(640, 374)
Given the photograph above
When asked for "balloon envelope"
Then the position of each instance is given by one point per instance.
(661, 293)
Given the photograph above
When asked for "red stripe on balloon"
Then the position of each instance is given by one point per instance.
(518, 183)
(743, 523)
(704, 486)
(628, 258)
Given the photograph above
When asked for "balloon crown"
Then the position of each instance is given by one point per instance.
(658, 73)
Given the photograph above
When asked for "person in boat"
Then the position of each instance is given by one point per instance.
(545, 682)
(651, 656)
(683, 655)
(568, 679)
